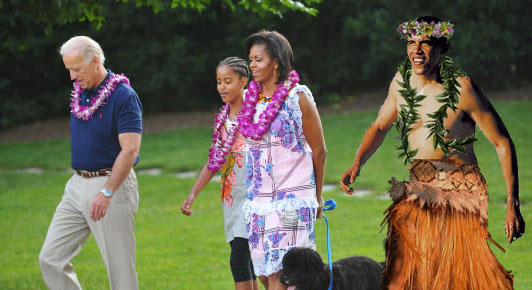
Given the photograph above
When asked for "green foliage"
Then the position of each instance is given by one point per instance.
(60, 12)
(408, 114)
(48, 14)
(170, 55)
(332, 98)
(449, 99)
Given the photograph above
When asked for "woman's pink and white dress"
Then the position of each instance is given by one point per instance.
(281, 188)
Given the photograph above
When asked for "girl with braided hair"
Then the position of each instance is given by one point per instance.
(226, 155)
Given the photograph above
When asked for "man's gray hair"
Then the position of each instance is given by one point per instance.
(86, 45)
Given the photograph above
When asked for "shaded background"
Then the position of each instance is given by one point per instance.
(350, 47)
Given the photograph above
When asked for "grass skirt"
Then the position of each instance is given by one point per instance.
(437, 231)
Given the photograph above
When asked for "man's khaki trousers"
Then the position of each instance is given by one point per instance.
(71, 226)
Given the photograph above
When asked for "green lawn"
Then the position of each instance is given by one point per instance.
(179, 252)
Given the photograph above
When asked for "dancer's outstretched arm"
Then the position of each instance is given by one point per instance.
(374, 136)
(477, 105)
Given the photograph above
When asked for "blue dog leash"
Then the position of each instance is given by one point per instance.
(329, 205)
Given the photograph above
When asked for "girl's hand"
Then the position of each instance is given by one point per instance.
(349, 177)
(187, 205)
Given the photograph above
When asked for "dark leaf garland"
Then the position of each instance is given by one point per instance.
(408, 114)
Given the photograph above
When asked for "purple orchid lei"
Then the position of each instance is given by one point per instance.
(245, 119)
(219, 148)
(86, 112)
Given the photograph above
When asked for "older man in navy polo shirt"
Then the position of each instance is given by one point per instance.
(102, 195)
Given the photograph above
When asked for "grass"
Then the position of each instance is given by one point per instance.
(179, 252)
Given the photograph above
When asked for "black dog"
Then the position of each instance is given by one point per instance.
(304, 269)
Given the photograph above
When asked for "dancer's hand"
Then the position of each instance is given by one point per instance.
(514, 223)
(187, 205)
(349, 177)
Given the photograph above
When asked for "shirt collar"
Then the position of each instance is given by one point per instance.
(95, 90)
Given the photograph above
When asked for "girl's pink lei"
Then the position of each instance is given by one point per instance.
(245, 118)
(86, 112)
(219, 148)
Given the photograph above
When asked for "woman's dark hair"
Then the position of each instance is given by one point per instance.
(238, 65)
(277, 46)
(442, 42)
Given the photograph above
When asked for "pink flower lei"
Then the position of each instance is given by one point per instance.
(86, 112)
(220, 148)
(245, 119)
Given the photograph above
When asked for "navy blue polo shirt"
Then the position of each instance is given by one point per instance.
(95, 142)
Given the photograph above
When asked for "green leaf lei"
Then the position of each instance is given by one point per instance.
(408, 114)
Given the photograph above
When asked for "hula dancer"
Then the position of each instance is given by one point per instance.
(438, 221)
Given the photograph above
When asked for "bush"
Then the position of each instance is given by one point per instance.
(170, 57)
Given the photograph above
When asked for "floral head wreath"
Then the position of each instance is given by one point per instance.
(432, 29)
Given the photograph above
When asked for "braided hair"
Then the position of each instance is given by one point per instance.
(238, 65)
